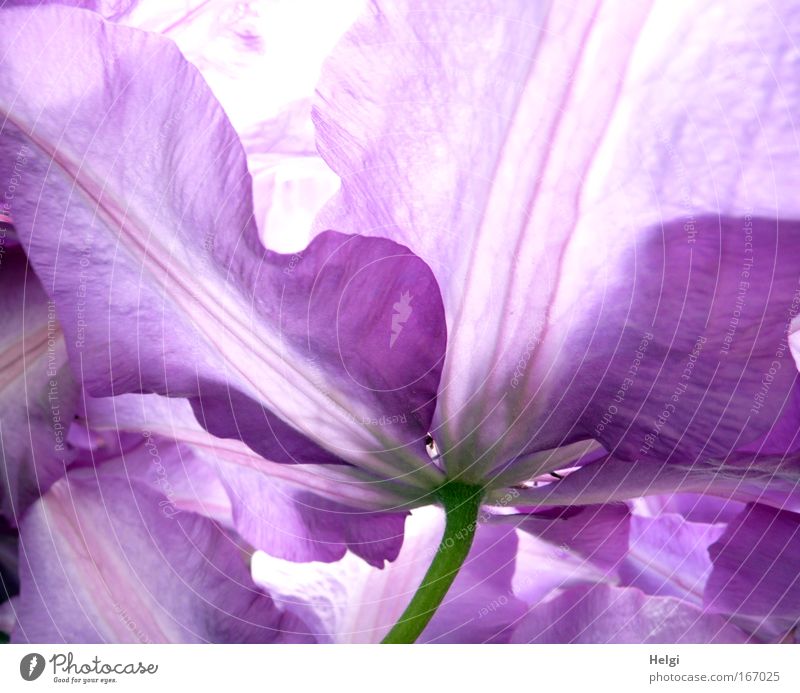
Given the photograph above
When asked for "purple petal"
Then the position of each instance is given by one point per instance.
(291, 523)
(601, 614)
(599, 533)
(692, 507)
(219, 319)
(558, 252)
(111, 9)
(295, 513)
(478, 174)
(757, 566)
(690, 357)
(668, 557)
(135, 574)
(37, 393)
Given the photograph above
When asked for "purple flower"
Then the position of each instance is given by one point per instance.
(561, 271)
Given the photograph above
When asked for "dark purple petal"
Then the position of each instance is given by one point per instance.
(103, 562)
(38, 396)
(757, 566)
(289, 522)
(600, 614)
(139, 220)
(690, 358)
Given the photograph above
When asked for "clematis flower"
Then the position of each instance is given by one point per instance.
(548, 255)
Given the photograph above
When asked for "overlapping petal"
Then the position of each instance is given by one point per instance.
(604, 614)
(38, 397)
(103, 562)
(755, 567)
(142, 221)
(299, 512)
(587, 249)
(350, 602)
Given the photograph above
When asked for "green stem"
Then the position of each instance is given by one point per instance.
(461, 504)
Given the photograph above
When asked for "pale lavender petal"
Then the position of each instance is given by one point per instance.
(693, 507)
(102, 562)
(111, 9)
(38, 396)
(558, 253)
(348, 601)
(769, 479)
(544, 570)
(184, 299)
(466, 130)
(757, 566)
(601, 614)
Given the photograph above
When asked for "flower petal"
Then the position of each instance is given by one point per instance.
(135, 574)
(38, 396)
(298, 512)
(540, 200)
(461, 129)
(690, 357)
(757, 566)
(599, 532)
(289, 522)
(668, 556)
(351, 602)
(601, 614)
(770, 479)
(140, 222)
